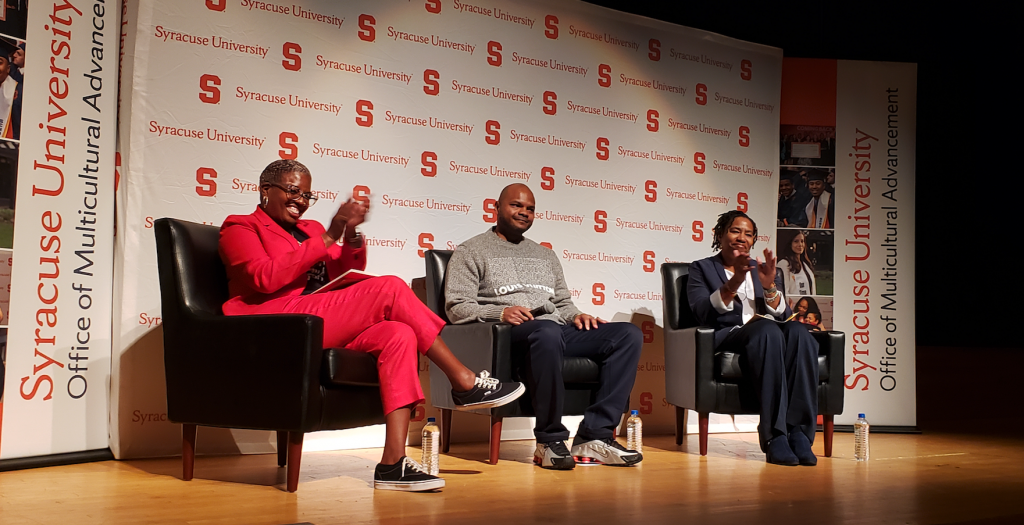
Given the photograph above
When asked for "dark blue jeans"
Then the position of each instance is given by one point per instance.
(614, 346)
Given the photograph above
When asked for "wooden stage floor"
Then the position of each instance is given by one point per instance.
(931, 478)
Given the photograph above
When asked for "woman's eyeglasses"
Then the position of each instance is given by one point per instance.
(293, 192)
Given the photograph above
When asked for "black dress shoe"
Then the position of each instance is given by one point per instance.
(779, 452)
(800, 446)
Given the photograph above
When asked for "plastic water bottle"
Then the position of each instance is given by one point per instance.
(861, 450)
(431, 446)
(634, 432)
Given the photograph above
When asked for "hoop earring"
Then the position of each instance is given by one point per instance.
(265, 200)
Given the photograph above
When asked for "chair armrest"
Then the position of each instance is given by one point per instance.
(251, 371)
(832, 345)
(689, 365)
(479, 346)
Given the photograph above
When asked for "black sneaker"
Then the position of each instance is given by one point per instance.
(405, 475)
(487, 393)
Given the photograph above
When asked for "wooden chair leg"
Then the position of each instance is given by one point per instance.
(495, 440)
(188, 451)
(829, 424)
(703, 423)
(680, 424)
(294, 459)
(282, 448)
(622, 424)
(446, 430)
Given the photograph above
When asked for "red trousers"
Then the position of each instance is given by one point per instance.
(381, 316)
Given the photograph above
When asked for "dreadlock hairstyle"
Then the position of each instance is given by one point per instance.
(272, 173)
(724, 222)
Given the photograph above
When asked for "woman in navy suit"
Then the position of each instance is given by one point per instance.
(741, 298)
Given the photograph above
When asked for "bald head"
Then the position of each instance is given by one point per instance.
(513, 190)
(515, 212)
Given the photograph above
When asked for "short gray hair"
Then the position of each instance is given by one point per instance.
(272, 173)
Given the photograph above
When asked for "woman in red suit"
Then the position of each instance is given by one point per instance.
(274, 259)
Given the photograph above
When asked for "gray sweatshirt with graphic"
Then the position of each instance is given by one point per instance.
(486, 274)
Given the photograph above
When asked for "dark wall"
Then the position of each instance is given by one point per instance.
(968, 233)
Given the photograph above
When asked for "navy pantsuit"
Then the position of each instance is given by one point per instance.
(781, 359)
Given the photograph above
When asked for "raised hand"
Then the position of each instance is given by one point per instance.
(338, 223)
(349, 215)
(766, 269)
(356, 212)
(740, 267)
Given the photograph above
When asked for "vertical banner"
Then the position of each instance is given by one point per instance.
(846, 222)
(58, 348)
(876, 132)
(633, 134)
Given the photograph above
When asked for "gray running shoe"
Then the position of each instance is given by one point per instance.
(554, 456)
(604, 452)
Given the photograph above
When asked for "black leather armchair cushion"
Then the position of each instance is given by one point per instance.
(349, 368)
(727, 367)
(580, 370)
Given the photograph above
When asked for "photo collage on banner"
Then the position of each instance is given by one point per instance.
(805, 239)
(13, 18)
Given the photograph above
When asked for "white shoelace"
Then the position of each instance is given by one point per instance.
(410, 463)
(486, 381)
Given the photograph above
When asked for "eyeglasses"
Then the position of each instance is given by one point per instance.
(293, 192)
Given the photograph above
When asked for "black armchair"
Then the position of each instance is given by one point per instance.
(698, 378)
(488, 346)
(263, 372)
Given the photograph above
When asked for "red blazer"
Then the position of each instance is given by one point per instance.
(267, 267)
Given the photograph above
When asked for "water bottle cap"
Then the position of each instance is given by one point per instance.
(633, 413)
(431, 420)
(860, 416)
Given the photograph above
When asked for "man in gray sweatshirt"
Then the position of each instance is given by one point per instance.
(500, 275)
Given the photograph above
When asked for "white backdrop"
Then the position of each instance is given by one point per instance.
(633, 134)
